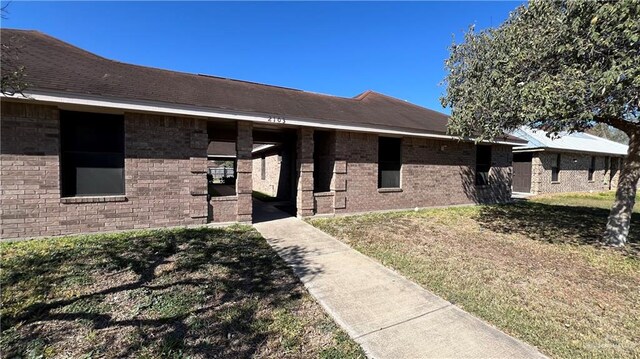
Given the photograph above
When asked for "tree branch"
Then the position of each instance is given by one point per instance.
(622, 125)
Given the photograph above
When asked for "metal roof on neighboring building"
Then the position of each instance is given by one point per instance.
(574, 142)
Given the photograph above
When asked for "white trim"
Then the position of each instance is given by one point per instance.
(189, 110)
(262, 147)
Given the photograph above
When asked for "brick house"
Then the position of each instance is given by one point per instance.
(100, 145)
(577, 162)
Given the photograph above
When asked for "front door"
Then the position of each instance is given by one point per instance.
(522, 172)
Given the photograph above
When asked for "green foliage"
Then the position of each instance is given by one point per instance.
(556, 66)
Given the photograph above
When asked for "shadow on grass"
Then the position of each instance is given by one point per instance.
(556, 223)
(195, 292)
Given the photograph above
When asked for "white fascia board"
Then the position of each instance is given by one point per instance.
(196, 111)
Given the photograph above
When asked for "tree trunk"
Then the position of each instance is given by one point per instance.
(620, 216)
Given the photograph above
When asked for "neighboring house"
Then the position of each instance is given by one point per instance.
(101, 145)
(570, 163)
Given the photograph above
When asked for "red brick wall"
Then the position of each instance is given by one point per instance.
(323, 202)
(223, 209)
(273, 167)
(433, 173)
(165, 182)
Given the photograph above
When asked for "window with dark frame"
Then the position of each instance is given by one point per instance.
(389, 162)
(555, 169)
(592, 168)
(91, 154)
(483, 164)
(323, 160)
(263, 168)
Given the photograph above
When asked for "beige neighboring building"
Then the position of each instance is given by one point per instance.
(577, 162)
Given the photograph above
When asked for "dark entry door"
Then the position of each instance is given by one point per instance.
(522, 172)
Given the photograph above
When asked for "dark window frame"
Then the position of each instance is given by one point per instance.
(484, 155)
(555, 170)
(592, 168)
(92, 154)
(389, 162)
(323, 160)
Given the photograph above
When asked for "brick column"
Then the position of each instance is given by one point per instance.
(244, 167)
(199, 141)
(339, 182)
(304, 197)
(536, 174)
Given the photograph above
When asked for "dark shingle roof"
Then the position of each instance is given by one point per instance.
(54, 65)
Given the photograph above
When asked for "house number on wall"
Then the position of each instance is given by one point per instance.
(276, 119)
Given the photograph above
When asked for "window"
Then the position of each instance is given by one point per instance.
(483, 164)
(323, 160)
(92, 154)
(592, 168)
(389, 162)
(606, 165)
(555, 169)
(263, 168)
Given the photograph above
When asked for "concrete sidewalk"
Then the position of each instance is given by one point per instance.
(388, 315)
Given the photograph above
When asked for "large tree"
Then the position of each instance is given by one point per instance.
(556, 66)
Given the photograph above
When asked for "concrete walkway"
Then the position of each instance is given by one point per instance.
(388, 315)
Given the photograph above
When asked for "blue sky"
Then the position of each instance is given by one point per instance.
(338, 48)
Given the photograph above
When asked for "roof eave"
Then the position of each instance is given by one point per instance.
(122, 105)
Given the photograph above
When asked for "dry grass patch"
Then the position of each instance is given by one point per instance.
(532, 269)
(201, 293)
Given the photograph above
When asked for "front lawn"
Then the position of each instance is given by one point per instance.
(602, 200)
(197, 293)
(534, 269)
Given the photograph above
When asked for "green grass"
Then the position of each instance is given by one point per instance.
(534, 269)
(596, 200)
(189, 293)
(264, 197)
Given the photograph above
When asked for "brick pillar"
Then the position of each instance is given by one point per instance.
(198, 167)
(339, 181)
(304, 196)
(244, 181)
(536, 174)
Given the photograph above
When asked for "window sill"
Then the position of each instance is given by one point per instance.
(555, 182)
(323, 194)
(93, 199)
(389, 190)
(224, 198)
